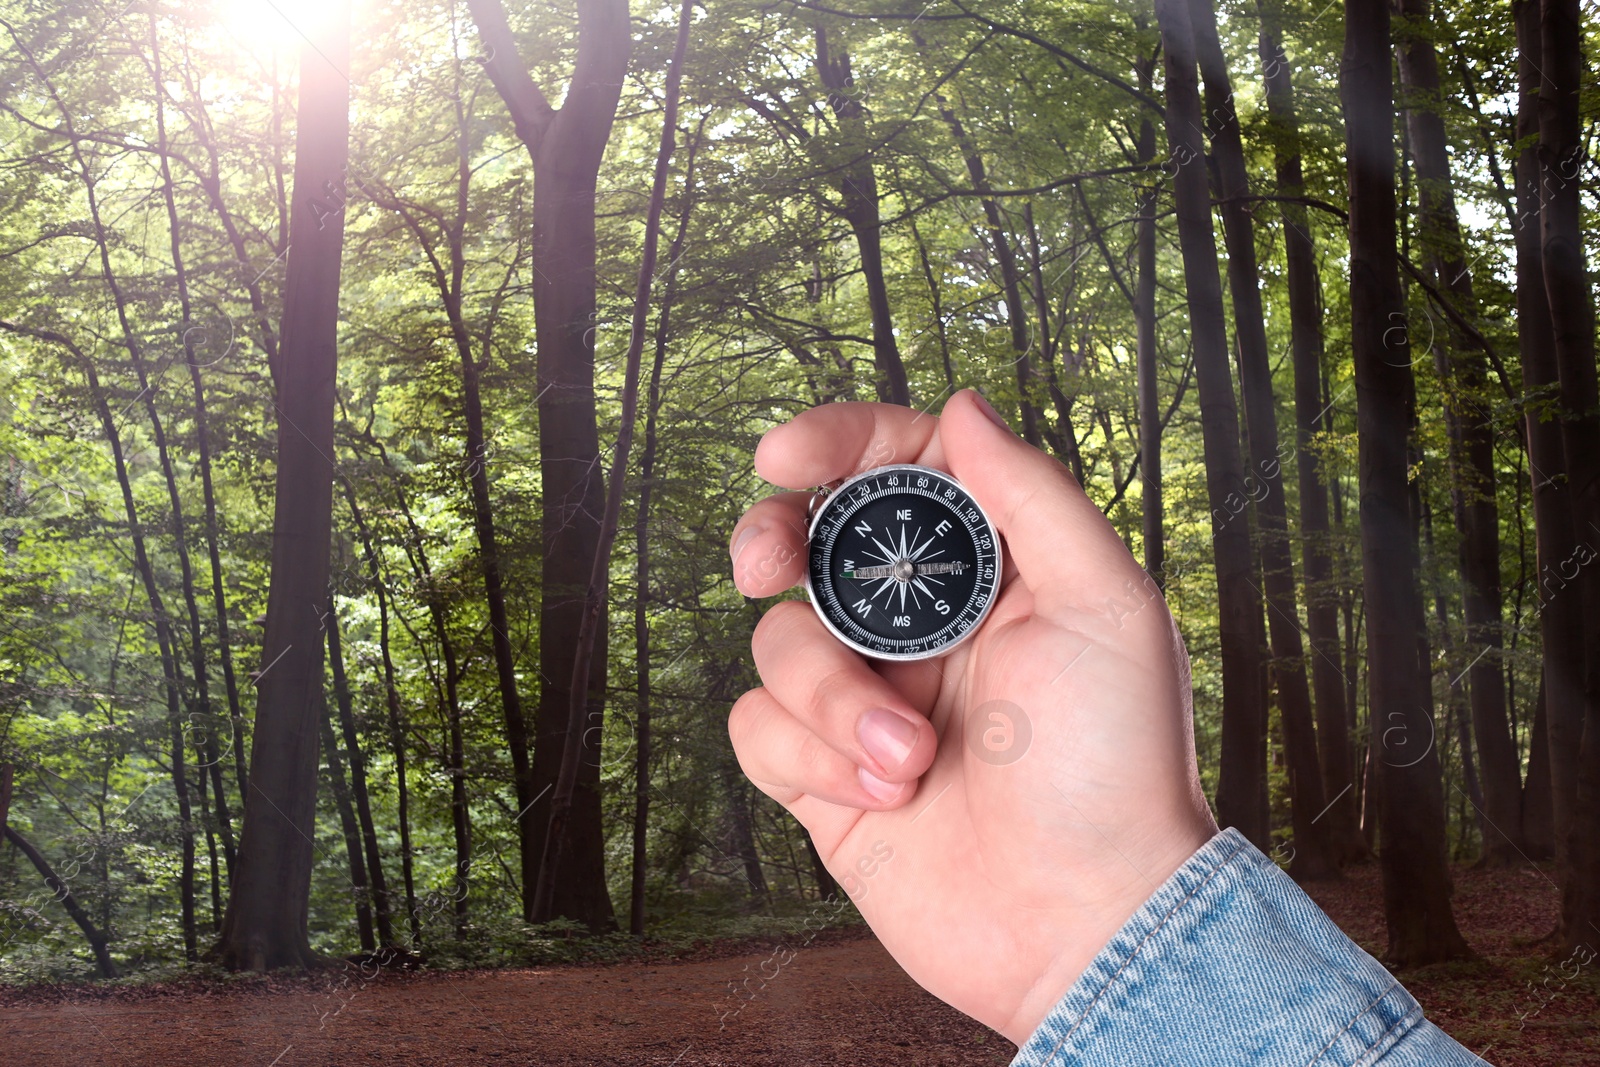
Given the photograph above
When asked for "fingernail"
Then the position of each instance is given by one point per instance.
(988, 409)
(744, 537)
(887, 737)
(877, 788)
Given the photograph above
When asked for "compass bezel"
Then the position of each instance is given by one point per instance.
(838, 494)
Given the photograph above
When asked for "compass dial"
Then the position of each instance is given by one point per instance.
(903, 563)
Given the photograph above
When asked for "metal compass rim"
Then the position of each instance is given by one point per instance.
(837, 492)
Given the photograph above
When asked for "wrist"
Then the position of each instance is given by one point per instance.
(1095, 919)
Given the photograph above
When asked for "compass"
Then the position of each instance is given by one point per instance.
(903, 563)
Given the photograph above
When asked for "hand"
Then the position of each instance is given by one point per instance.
(992, 872)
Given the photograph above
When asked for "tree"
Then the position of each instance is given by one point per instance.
(1566, 281)
(97, 938)
(1560, 610)
(266, 923)
(1416, 880)
(1242, 792)
(858, 187)
(1312, 416)
(1313, 856)
(1463, 373)
(1152, 508)
(566, 146)
(641, 620)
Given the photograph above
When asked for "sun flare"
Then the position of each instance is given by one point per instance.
(267, 25)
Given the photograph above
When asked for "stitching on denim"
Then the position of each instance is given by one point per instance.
(1139, 947)
(1409, 1021)
(1381, 997)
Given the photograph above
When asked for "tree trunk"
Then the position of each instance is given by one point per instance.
(1334, 739)
(96, 937)
(1560, 609)
(566, 146)
(1416, 879)
(206, 743)
(1313, 850)
(391, 694)
(858, 184)
(1463, 374)
(360, 893)
(1567, 289)
(1151, 508)
(266, 923)
(1064, 438)
(1538, 817)
(213, 866)
(936, 302)
(827, 888)
(1010, 276)
(171, 677)
(592, 622)
(210, 179)
(358, 780)
(1456, 704)
(741, 830)
(1242, 789)
(448, 275)
(641, 621)
(448, 691)
(165, 637)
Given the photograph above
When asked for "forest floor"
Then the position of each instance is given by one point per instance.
(839, 1000)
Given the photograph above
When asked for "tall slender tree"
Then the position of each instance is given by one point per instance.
(1416, 880)
(1313, 851)
(566, 145)
(266, 923)
(594, 608)
(1312, 416)
(648, 459)
(858, 187)
(1469, 423)
(1152, 507)
(1560, 609)
(1571, 300)
(1242, 788)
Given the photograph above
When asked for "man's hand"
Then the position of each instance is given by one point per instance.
(998, 813)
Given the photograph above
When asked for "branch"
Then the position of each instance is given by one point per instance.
(531, 113)
(998, 27)
(597, 74)
(63, 893)
(1100, 239)
(1451, 312)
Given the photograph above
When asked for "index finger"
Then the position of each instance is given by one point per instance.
(835, 441)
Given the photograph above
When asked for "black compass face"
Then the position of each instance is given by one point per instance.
(903, 562)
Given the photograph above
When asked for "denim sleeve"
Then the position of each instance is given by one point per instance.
(1230, 964)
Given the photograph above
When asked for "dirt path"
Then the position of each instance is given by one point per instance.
(831, 1004)
(840, 1000)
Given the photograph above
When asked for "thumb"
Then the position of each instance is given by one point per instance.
(1066, 551)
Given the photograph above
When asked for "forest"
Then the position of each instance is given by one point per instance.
(379, 381)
